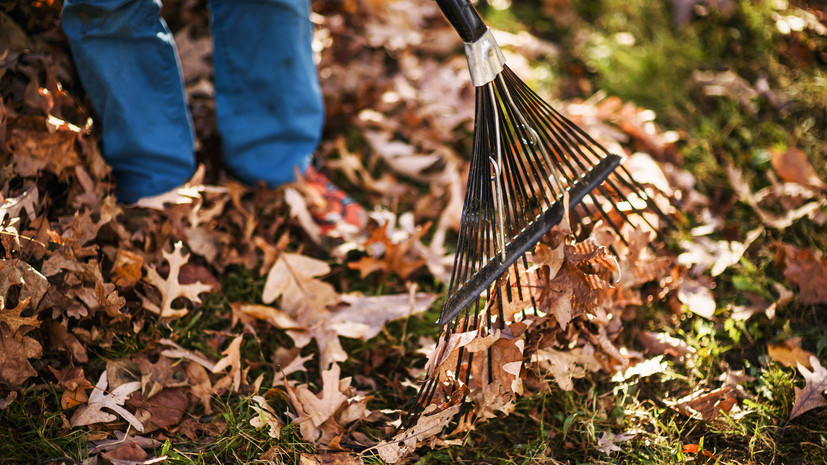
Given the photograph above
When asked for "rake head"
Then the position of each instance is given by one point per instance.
(530, 169)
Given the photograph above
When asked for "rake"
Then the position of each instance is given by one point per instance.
(530, 167)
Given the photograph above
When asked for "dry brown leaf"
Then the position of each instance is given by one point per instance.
(265, 416)
(128, 452)
(394, 256)
(364, 317)
(790, 354)
(807, 269)
(171, 288)
(430, 423)
(330, 459)
(288, 361)
(663, 343)
(13, 318)
(126, 271)
(200, 386)
(92, 412)
(179, 352)
(164, 410)
(294, 278)
(314, 410)
(61, 338)
(17, 272)
(15, 350)
(272, 315)
(706, 405)
(232, 359)
(25, 202)
(813, 394)
(37, 150)
(792, 165)
(565, 365)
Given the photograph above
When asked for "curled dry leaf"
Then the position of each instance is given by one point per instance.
(432, 421)
(813, 394)
(171, 288)
(265, 416)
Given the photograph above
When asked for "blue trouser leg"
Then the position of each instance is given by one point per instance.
(268, 101)
(127, 62)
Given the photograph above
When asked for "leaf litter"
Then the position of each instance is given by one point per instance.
(99, 271)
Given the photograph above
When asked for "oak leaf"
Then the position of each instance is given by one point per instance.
(171, 288)
(364, 317)
(390, 256)
(313, 410)
(92, 412)
(15, 352)
(294, 278)
(813, 394)
(232, 359)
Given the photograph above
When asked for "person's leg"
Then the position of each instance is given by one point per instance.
(128, 65)
(268, 100)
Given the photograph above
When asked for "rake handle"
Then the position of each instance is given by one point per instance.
(464, 18)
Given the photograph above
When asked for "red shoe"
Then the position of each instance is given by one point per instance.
(331, 207)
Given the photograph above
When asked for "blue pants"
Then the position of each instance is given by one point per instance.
(268, 102)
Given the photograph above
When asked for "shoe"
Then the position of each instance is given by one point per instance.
(332, 209)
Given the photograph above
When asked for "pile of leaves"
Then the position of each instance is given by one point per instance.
(97, 298)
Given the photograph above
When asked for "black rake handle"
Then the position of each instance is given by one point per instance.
(464, 18)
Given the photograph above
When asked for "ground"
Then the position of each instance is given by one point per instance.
(220, 326)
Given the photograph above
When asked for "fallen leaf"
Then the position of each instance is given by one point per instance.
(25, 202)
(430, 423)
(171, 288)
(163, 410)
(694, 449)
(92, 412)
(232, 359)
(294, 278)
(812, 395)
(314, 410)
(17, 272)
(128, 452)
(364, 317)
(663, 343)
(790, 354)
(330, 459)
(698, 298)
(643, 369)
(126, 271)
(565, 365)
(706, 405)
(792, 165)
(608, 442)
(265, 416)
(15, 352)
(807, 269)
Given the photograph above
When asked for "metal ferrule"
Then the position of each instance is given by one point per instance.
(485, 59)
